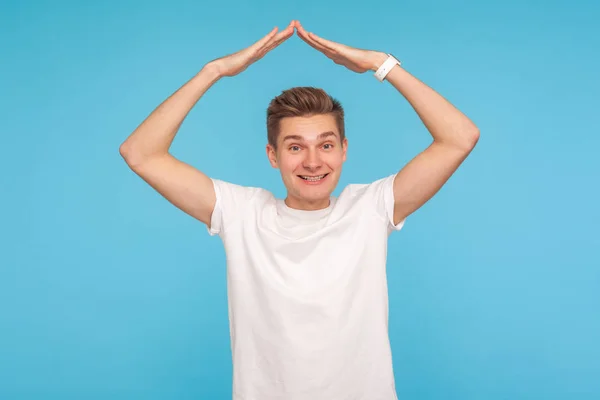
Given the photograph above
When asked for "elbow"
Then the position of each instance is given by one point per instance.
(125, 151)
(130, 155)
(470, 138)
(135, 157)
(474, 137)
(467, 142)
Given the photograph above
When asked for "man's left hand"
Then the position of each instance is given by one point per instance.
(357, 60)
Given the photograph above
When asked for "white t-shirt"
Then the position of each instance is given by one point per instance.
(307, 293)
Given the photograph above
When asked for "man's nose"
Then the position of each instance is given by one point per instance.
(312, 160)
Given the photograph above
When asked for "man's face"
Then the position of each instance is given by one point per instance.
(309, 157)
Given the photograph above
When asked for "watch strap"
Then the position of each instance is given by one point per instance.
(386, 67)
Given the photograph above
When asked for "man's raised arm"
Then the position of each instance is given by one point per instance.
(146, 150)
(454, 135)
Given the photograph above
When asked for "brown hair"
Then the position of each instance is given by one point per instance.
(302, 102)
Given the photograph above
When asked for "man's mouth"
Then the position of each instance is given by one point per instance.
(313, 178)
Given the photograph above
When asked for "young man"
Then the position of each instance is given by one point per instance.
(306, 275)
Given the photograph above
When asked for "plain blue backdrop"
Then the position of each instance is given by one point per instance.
(107, 291)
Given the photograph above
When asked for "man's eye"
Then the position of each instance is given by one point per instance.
(328, 144)
(294, 148)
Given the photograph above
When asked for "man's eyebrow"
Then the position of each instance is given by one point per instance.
(300, 138)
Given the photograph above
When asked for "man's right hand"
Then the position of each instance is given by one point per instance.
(235, 63)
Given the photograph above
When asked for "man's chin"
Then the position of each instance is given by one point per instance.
(314, 194)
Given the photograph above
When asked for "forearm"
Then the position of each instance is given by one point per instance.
(443, 121)
(156, 133)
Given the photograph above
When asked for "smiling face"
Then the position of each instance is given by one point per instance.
(309, 156)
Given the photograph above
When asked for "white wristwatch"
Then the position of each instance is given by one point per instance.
(386, 67)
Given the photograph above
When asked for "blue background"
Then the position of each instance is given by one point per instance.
(107, 291)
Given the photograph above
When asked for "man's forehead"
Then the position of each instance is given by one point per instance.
(320, 122)
(309, 128)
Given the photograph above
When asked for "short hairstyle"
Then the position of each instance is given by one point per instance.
(302, 102)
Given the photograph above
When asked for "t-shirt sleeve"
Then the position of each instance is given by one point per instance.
(382, 192)
(230, 205)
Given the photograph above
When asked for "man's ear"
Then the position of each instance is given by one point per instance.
(344, 148)
(272, 156)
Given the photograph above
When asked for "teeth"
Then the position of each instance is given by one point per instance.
(312, 178)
